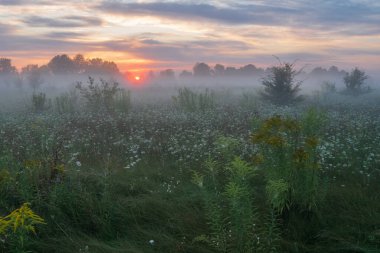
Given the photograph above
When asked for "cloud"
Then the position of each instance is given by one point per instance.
(25, 2)
(322, 15)
(5, 29)
(11, 2)
(150, 42)
(64, 35)
(185, 51)
(232, 15)
(65, 22)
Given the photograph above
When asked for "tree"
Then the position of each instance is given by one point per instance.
(8, 73)
(231, 71)
(61, 64)
(185, 74)
(167, 74)
(6, 67)
(202, 70)
(98, 66)
(354, 81)
(80, 63)
(32, 73)
(219, 70)
(280, 84)
(249, 70)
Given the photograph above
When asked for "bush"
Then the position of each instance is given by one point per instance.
(104, 96)
(40, 103)
(280, 85)
(66, 103)
(354, 82)
(191, 101)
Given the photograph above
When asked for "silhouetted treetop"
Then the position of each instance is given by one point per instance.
(201, 70)
(6, 67)
(63, 64)
(280, 85)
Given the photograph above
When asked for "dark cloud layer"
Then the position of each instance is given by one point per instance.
(11, 2)
(235, 15)
(329, 15)
(67, 21)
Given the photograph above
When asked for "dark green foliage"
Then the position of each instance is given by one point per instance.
(99, 96)
(104, 96)
(40, 102)
(116, 182)
(280, 85)
(66, 103)
(354, 82)
(191, 101)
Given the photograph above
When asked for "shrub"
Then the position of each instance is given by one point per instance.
(280, 85)
(230, 210)
(66, 103)
(17, 226)
(40, 103)
(289, 158)
(354, 82)
(189, 100)
(122, 100)
(104, 96)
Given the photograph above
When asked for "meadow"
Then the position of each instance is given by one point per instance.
(98, 169)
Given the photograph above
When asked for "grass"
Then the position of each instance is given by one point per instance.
(124, 181)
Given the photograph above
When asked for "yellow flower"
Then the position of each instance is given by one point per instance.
(258, 159)
(22, 218)
(311, 142)
(300, 155)
(32, 164)
(275, 141)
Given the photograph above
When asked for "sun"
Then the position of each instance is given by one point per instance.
(137, 78)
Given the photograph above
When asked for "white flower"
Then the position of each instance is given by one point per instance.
(78, 163)
(151, 242)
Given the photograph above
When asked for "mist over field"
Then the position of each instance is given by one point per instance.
(188, 126)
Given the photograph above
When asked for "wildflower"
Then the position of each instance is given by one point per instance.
(78, 163)
(22, 218)
(311, 142)
(275, 141)
(258, 159)
(151, 242)
(300, 155)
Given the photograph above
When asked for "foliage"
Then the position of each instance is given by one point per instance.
(234, 228)
(19, 224)
(191, 101)
(328, 87)
(104, 96)
(354, 82)
(40, 102)
(122, 101)
(66, 103)
(290, 161)
(122, 182)
(280, 85)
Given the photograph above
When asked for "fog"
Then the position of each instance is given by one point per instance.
(228, 84)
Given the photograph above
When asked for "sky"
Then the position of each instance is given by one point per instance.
(143, 35)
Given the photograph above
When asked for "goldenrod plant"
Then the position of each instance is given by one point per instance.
(290, 161)
(18, 225)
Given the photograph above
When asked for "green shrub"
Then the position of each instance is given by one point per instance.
(66, 103)
(354, 82)
(104, 96)
(191, 101)
(232, 216)
(40, 102)
(280, 85)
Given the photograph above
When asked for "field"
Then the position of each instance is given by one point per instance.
(202, 171)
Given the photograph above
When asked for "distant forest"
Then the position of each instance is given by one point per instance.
(78, 65)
